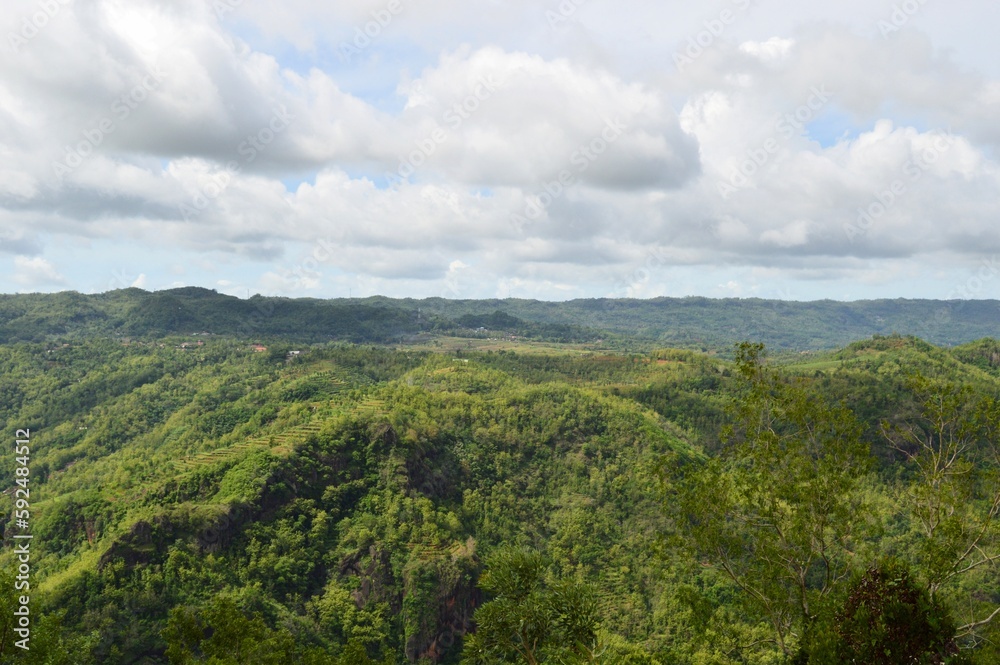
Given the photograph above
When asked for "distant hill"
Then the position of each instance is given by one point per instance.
(682, 322)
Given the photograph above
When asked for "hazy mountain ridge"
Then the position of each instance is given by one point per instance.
(684, 322)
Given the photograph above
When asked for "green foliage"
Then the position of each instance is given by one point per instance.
(530, 620)
(338, 505)
(224, 634)
(951, 448)
(778, 511)
(692, 322)
(48, 642)
(887, 618)
(535, 618)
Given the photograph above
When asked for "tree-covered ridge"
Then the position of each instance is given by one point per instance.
(614, 323)
(136, 313)
(318, 484)
(352, 504)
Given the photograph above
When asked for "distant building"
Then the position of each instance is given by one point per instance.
(258, 348)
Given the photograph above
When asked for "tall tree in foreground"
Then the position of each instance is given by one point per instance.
(952, 451)
(778, 510)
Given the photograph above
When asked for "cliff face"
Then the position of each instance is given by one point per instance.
(440, 596)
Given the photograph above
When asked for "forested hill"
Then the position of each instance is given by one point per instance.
(360, 505)
(685, 322)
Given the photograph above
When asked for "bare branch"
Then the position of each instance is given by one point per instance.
(968, 628)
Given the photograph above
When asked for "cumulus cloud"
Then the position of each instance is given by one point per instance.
(490, 149)
(773, 50)
(32, 273)
(519, 120)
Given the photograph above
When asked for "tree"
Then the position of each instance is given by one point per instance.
(49, 643)
(886, 618)
(952, 452)
(8, 622)
(224, 635)
(778, 509)
(529, 620)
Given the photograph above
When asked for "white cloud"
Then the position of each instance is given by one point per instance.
(532, 101)
(33, 273)
(791, 235)
(772, 50)
(517, 119)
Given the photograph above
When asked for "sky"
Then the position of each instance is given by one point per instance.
(549, 149)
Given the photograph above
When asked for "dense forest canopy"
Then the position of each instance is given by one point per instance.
(698, 323)
(211, 498)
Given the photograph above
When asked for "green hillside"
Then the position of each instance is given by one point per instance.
(196, 500)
